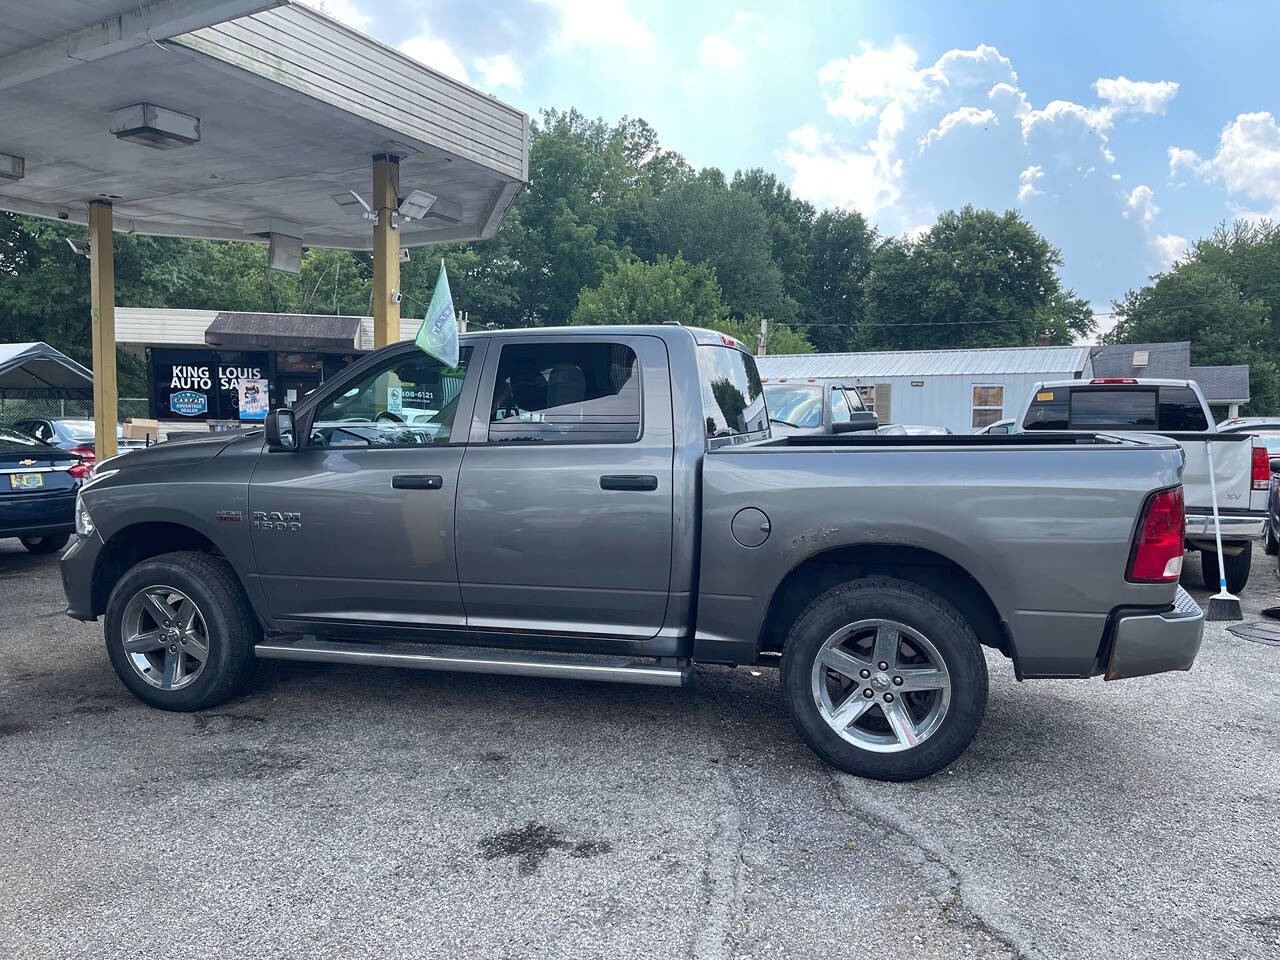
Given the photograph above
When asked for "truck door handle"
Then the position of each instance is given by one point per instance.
(629, 482)
(417, 482)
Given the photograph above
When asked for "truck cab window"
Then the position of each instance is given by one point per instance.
(733, 400)
(570, 392)
(408, 401)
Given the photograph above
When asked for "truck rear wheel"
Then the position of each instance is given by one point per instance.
(1236, 568)
(884, 679)
(180, 632)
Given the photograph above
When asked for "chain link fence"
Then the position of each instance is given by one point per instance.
(21, 408)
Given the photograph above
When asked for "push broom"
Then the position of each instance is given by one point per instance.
(1222, 605)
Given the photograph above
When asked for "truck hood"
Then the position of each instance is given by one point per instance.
(189, 450)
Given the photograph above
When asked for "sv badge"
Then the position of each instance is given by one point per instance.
(281, 522)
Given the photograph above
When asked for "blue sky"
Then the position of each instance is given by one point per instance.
(1121, 130)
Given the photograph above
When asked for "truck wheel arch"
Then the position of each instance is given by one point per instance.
(130, 545)
(818, 573)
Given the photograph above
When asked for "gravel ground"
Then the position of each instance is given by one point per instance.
(346, 812)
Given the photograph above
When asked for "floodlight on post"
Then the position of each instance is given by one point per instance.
(79, 247)
(155, 127)
(416, 205)
(11, 167)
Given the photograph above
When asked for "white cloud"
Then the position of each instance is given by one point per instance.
(1027, 178)
(596, 23)
(718, 53)
(1142, 205)
(833, 177)
(429, 48)
(1247, 162)
(1169, 247)
(500, 70)
(1137, 96)
(350, 12)
(969, 116)
(859, 85)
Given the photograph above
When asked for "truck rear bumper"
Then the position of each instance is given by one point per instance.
(1146, 643)
(1235, 526)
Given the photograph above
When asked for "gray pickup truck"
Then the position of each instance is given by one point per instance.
(608, 503)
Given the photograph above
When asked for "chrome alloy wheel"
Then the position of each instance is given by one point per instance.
(881, 685)
(165, 637)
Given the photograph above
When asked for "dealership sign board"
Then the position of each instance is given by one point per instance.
(207, 384)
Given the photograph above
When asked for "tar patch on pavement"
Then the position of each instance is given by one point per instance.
(1258, 632)
(533, 843)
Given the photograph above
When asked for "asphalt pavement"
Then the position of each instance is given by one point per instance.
(357, 812)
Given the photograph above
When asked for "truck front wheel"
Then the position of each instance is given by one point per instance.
(884, 679)
(1236, 569)
(180, 632)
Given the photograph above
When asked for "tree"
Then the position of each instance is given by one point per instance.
(791, 223)
(974, 279)
(701, 219)
(1196, 301)
(673, 289)
(840, 248)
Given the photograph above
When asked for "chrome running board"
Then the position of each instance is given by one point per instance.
(468, 660)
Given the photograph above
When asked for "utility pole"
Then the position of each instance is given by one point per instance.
(764, 332)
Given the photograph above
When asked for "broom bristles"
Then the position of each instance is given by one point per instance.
(1223, 607)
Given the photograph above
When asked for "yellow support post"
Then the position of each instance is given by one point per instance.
(102, 281)
(386, 251)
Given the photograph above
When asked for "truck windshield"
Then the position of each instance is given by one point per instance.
(732, 395)
(795, 405)
(1116, 408)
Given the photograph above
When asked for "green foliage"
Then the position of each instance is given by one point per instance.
(673, 289)
(1222, 297)
(974, 279)
(841, 245)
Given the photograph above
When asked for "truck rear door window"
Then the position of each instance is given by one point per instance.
(566, 392)
(732, 395)
(1113, 409)
(1180, 409)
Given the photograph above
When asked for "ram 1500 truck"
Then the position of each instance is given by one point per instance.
(608, 503)
(1176, 409)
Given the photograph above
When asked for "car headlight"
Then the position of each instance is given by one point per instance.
(84, 523)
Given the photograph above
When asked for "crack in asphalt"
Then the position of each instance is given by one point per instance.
(939, 855)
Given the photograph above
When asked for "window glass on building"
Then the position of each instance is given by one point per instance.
(206, 384)
(566, 392)
(407, 401)
(987, 405)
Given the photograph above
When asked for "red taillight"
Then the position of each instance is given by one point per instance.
(1261, 468)
(81, 469)
(1157, 552)
(85, 452)
(1113, 380)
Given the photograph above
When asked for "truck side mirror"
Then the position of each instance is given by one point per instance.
(858, 421)
(280, 432)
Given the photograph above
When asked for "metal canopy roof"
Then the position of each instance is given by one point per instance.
(37, 369)
(927, 363)
(292, 107)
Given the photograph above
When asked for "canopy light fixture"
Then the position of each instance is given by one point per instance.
(79, 247)
(284, 242)
(350, 200)
(416, 205)
(155, 127)
(404, 254)
(12, 168)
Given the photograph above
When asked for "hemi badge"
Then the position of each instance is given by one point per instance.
(232, 516)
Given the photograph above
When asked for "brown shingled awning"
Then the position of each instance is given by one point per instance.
(283, 331)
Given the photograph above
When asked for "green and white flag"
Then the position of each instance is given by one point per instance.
(439, 334)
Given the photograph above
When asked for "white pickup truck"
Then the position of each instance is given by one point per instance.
(1176, 409)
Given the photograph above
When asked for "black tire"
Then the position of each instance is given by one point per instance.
(232, 628)
(51, 544)
(920, 609)
(1237, 569)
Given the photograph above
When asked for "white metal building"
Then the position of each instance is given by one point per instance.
(962, 390)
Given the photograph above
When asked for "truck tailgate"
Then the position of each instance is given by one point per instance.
(1232, 471)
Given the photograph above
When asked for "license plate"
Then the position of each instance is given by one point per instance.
(26, 481)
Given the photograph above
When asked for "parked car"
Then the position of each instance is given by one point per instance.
(1177, 409)
(38, 484)
(1266, 429)
(608, 503)
(997, 428)
(74, 434)
(815, 407)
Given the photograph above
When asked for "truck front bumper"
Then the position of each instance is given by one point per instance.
(77, 566)
(1145, 643)
(1235, 526)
